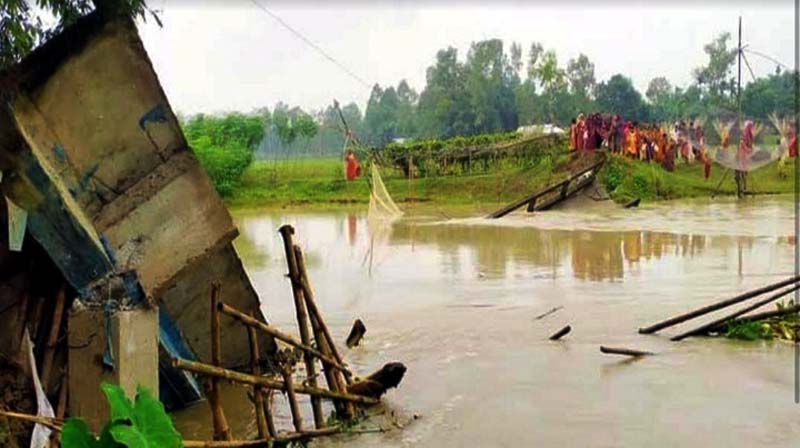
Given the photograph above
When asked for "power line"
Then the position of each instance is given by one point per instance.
(312, 44)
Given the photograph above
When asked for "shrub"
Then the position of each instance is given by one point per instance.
(224, 146)
(141, 423)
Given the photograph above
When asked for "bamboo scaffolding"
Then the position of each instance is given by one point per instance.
(286, 232)
(258, 396)
(52, 338)
(52, 423)
(716, 306)
(297, 417)
(721, 321)
(279, 439)
(221, 429)
(268, 412)
(312, 308)
(332, 377)
(243, 378)
(277, 334)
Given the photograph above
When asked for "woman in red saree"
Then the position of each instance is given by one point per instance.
(352, 168)
(792, 143)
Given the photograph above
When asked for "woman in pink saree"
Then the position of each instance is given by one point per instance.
(745, 145)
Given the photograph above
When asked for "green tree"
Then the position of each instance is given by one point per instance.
(716, 77)
(22, 28)
(617, 95)
(553, 80)
(444, 104)
(764, 96)
(225, 146)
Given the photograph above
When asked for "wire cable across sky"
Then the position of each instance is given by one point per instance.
(311, 44)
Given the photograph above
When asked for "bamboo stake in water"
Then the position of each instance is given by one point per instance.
(332, 377)
(297, 418)
(287, 233)
(220, 423)
(258, 396)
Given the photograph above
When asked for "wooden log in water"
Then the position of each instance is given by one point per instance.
(375, 385)
(267, 383)
(264, 443)
(287, 232)
(624, 351)
(277, 334)
(258, 395)
(716, 306)
(560, 333)
(356, 334)
(220, 424)
(543, 315)
(723, 320)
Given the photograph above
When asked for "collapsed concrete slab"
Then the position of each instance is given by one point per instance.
(91, 148)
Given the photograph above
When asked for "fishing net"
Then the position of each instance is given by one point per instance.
(730, 153)
(381, 205)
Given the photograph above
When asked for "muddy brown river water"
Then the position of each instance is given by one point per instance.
(455, 299)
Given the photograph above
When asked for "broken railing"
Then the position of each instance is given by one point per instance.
(323, 350)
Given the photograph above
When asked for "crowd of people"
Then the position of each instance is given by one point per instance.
(664, 144)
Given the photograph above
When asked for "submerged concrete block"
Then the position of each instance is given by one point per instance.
(134, 345)
(187, 299)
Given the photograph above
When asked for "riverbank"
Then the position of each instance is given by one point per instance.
(319, 182)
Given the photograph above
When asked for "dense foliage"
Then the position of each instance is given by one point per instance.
(140, 423)
(225, 146)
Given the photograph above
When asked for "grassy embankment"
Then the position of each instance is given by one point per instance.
(320, 182)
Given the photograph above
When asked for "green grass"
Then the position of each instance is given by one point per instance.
(631, 179)
(321, 182)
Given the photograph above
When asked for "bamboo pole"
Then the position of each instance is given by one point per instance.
(221, 429)
(721, 321)
(52, 338)
(263, 443)
(61, 410)
(560, 333)
(243, 378)
(268, 412)
(335, 381)
(297, 417)
(286, 232)
(258, 397)
(252, 322)
(716, 306)
(761, 316)
(308, 293)
(52, 423)
(623, 351)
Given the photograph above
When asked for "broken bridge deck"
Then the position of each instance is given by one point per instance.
(553, 194)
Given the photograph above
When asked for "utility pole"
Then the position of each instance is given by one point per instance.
(739, 175)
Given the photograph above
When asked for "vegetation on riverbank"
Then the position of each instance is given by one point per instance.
(321, 182)
(625, 179)
(779, 327)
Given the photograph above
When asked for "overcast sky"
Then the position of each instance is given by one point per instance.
(213, 58)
